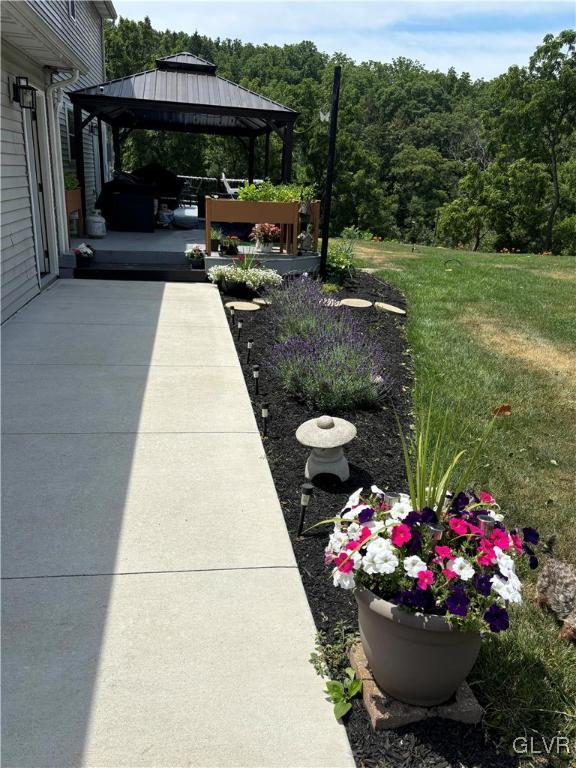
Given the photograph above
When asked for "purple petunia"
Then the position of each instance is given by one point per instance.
(530, 535)
(483, 584)
(457, 602)
(496, 618)
(428, 515)
(365, 516)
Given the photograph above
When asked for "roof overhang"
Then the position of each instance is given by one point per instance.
(23, 28)
(106, 9)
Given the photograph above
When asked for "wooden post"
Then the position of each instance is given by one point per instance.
(79, 143)
(267, 155)
(287, 152)
(117, 148)
(330, 168)
(251, 158)
(101, 153)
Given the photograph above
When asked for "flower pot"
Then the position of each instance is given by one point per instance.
(241, 290)
(214, 245)
(416, 658)
(84, 261)
(264, 247)
(196, 263)
(231, 250)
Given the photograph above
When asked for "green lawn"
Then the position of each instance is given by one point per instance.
(485, 330)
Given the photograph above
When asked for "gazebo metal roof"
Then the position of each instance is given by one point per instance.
(183, 93)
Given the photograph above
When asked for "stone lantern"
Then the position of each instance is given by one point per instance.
(327, 437)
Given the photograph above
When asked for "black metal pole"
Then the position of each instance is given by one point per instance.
(117, 148)
(267, 155)
(251, 158)
(101, 154)
(330, 168)
(80, 172)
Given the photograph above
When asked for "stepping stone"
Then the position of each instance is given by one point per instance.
(382, 307)
(262, 302)
(356, 303)
(242, 306)
(386, 713)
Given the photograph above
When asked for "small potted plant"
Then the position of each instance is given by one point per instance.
(215, 237)
(229, 245)
(430, 571)
(265, 235)
(195, 256)
(84, 255)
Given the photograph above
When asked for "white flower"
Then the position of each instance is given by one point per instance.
(400, 510)
(505, 562)
(377, 490)
(509, 590)
(413, 565)
(379, 557)
(343, 580)
(353, 531)
(405, 499)
(462, 567)
(336, 541)
(374, 525)
(354, 500)
(350, 515)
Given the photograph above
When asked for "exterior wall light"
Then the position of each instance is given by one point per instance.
(23, 93)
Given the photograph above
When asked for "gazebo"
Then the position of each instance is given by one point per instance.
(183, 93)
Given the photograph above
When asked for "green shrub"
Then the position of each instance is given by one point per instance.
(276, 193)
(341, 258)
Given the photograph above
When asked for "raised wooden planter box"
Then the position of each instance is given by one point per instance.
(74, 203)
(285, 215)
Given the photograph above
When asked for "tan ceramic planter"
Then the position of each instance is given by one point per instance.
(415, 658)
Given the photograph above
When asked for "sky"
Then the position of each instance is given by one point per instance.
(482, 37)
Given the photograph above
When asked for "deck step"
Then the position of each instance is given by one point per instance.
(169, 273)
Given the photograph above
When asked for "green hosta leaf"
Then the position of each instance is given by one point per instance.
(341, 708)
(355, 688)
(335, 690)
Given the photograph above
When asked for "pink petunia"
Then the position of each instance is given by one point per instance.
(486, 556)
(500, 538)
(443, 552)
(449, 574)
(328, 556)
(343, 564)
(485, 498)
(425, 579)
(400, 534)
(460, 527)
(474, 529)
(517, 542)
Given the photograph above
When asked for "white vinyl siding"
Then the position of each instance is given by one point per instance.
(18, 263)
(84, 35)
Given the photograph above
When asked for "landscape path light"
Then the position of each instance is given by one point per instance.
(265, 413)
(487, 523)
(327, 437)
(240, 326)
(306, 492)
(249, 345)
(256, 377)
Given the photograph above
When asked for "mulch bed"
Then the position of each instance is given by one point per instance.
(374, 457)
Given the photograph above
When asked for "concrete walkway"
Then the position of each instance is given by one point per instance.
(153, 614)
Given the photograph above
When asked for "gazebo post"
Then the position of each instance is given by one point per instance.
(117, 149)
(287, 142)
(251, 158)
(267, 155)
(101, 153)
(79, 143)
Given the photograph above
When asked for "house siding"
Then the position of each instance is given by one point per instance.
(84, 36)
(18, 273)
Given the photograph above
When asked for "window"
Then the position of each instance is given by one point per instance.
(72, 9)
(71, 135)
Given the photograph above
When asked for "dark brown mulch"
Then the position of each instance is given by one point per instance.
(374, 457)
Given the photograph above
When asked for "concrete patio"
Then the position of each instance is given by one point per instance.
(153, 613)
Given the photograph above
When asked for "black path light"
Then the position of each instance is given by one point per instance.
(306, 493)
(330, 168)
(240, 326)
(256, 377)
(249, 345)
(232, 315)
(265, 413)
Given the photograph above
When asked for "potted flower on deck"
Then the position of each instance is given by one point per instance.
(195, 256)
(265, 235)
(84, 255)
(430, 572)
(229, 245)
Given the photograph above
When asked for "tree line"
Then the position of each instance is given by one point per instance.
(422, 155)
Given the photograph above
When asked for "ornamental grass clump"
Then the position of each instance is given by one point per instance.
(323, 355)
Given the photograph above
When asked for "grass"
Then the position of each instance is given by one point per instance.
(486, 330)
